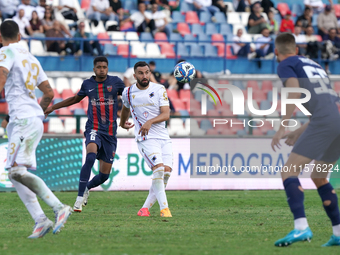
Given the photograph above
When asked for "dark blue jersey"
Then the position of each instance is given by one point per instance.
(103, 103)
(312, 77)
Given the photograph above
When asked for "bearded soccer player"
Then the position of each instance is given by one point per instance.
(100, 131)
(20, 74)
(318, 139)
(149, 106)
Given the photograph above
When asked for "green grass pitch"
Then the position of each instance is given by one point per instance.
(203, 222)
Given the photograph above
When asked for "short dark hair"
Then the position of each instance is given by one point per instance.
(285, 43)
(100, 59)
(9, 30)
(332, 28)
(307, 9)
(152, 63)
(140, 64)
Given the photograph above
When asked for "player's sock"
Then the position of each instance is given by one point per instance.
(158, 187)
(37, 185)
(330, 203)
(166, 178)
(86, 172)
(97, 180)
(30, 200)
(295, 197)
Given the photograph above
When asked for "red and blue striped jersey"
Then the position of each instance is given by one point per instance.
(103, 103)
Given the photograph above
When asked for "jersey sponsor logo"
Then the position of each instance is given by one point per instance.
(2, 57)
(22, 138)
(146, 114)
(151, 95)
(91, 90)
(165, 96)
(133, 96)
(109, 88)
(143, 105)
(102, 101)
(154, 158)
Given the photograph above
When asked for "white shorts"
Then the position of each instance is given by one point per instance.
(156, 151)
(23, 138)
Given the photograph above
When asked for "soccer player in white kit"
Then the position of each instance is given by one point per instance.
(149, 106)
(20, 73)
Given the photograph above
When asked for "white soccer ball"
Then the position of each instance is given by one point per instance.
(184, 72)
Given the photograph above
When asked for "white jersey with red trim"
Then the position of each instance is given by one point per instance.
(145, 105)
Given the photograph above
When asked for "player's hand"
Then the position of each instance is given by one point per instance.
(291, 138)
(144, 130)
(48, 111)
(127, 125)
(276, 139)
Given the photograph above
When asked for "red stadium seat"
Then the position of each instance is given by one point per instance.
(168, 50)
(183, 28)
(67, 93)
(185, 94)
(229, 53)
(103, 36)
(337, 10)
(213, 113)
(3, 108)
(64, 111)
(283, 8)
(85, 4)
(123, 50)
(257, 131)
(178, 104)
(253, 84)
(126, 26)
(191, 17)
(258, 96)
(227, 131)
(217, 38)
(212, 131)
(172, 3)
(267, 86)
(56, 94)
(74, 106)
(160, 38)
(172, 94)
(45, 127)
(318, 38)
(337, 86)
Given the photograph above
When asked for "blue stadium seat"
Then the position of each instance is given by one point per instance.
(79, 111)
(225, 29)
(196, 29)
(196, 51)
(241, 132)
(238, 84)
(278, 18)
(210, 29)
(38, 93)
(271, 132)
(220, 17)
(189, 39)
(182, 50)
(205, 17)
(145, 37)
(185, 7)
(210, 51)
(177, 17)
(110, 49)
(315, 20)
(297, 9)
(206, 125)
(198, 95)
(57, 100)
(174, 37)
(204, 39)
(130, 5)
(265, 105)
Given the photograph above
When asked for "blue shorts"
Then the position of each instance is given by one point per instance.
(320, 141)
(106, 145)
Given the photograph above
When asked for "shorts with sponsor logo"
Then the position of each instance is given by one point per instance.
(156, 151)
(320, 141)
(23, 139)
(106, 144)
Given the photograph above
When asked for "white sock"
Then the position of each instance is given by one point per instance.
(151, 199)
(37, 185)
(158, 187)
(29, 199)
(300, 224)
(336, 230)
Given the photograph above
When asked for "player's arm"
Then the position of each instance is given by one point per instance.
(67, 102)
(48, 94)
(164, 116)
(3, 77)
(124, 116)
(290, 83)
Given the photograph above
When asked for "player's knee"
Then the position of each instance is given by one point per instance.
(90, 158)
(319, 181)
(103, 177)
(167, 169)
(16, 173)
(158, 173)
(157, 166)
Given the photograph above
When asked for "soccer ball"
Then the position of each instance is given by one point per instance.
(184, 72)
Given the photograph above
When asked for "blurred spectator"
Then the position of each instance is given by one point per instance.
(129, 79)
(268, 6)
(157, 75)
(272, 23)
(256, 23)
(61, 47)
(100, 10)
(89, 46)
(241, 47)
(41, 9)
(141, 19)
(23, 23)
(48, 20)
(315, 5)
(331, 48)
(165, 4)
(220, 5)
(300, 40)
(287, 24)
(25, 5)
(313, 46)
(205, 6)
(68, 9)
(160, 20)
(8, 8)
(117, 8)
(305, 19)
(37, 29)
(264, 47)
(326, 21)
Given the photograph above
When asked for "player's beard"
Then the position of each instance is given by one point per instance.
(143, 83)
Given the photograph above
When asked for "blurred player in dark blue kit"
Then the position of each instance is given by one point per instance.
(101, 126)
(318, 139)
